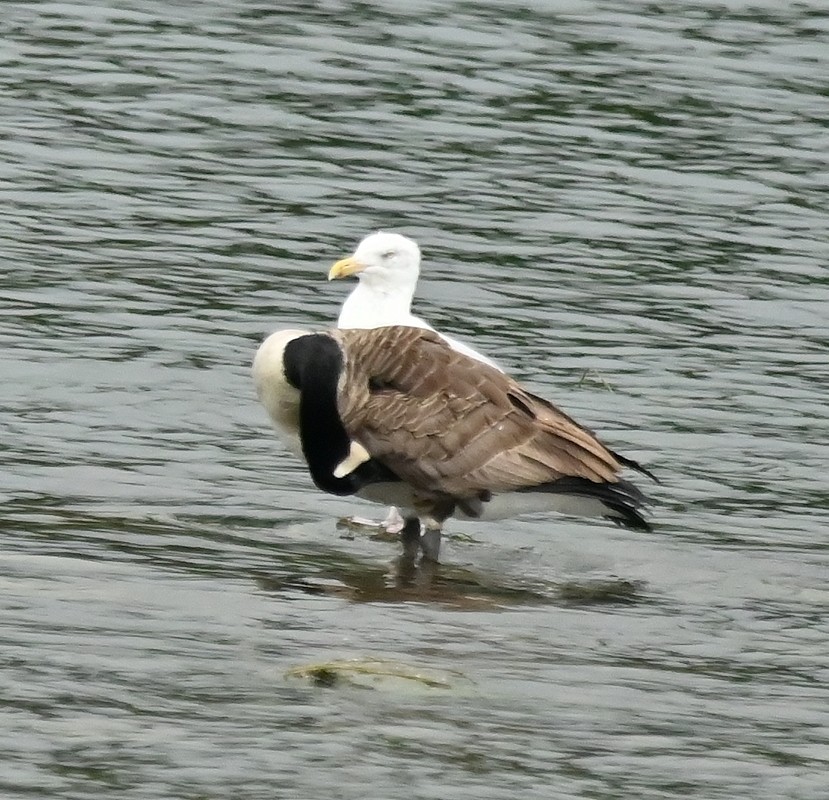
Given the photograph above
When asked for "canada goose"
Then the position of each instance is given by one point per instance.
(387, 266)
(397, 416)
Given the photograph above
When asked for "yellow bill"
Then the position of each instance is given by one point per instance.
(345, 267)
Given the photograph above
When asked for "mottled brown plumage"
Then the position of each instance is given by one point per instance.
(454, 428)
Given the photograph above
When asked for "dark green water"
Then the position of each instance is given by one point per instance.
(624, 202)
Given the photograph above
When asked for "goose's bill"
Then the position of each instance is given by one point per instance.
(345, 267)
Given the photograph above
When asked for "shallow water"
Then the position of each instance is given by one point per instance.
(623, 202)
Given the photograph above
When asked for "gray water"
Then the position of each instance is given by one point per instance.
(624, 202)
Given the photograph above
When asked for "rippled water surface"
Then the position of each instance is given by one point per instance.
(624, 202)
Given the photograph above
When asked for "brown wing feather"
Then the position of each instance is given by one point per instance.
(451, 425)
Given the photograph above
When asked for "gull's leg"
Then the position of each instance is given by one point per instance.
(394, 522)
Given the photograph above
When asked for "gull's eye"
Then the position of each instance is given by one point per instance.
(388, 254)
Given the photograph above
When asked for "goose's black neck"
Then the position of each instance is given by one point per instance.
(313, 364)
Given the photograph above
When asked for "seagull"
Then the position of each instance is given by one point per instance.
(396, 415)
(387, 266)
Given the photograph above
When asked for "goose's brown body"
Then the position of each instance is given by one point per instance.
(454, 427)
(444, 433)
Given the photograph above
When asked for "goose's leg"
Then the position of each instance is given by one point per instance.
(430, 540)
(410, 537)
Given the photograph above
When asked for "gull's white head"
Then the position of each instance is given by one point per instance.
(384, 262)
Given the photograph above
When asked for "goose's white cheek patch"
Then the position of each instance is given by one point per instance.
(357, 454)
